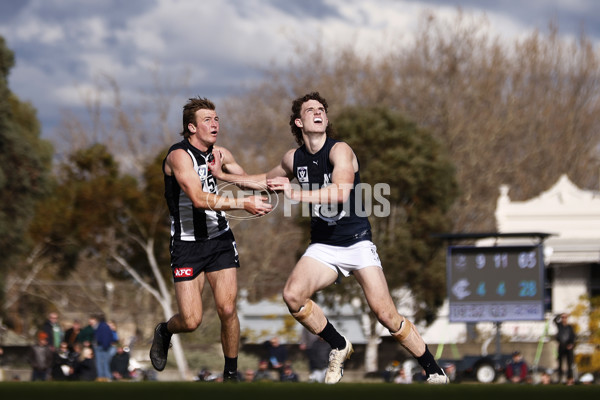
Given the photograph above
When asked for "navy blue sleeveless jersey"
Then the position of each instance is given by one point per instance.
(187, 222)
(333, 224)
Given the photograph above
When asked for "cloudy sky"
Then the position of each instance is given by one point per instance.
(62, 47)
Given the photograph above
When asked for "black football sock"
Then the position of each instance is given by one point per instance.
(428, 363)
(164, 330)
(333, 337)
(231, 364)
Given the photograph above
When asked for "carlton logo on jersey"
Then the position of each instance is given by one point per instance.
(183, 272)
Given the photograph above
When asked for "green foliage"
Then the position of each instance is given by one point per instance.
(88, 191)
(25, 164)
(395, 151)
(94, 209)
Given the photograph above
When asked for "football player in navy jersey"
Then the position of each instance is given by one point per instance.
(327, 172)
(202, 245)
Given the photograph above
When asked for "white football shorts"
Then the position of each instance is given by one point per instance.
(345, 259)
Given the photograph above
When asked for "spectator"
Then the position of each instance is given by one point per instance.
(420, 376)
(317, 352)
(72, 333)
(63, 363)
(401, 377)
(516, 370)
(86, 336)
(565, 337)
(77, 351)
(450, 370)
(102, 348)
(119, 364)
(263, 374)
(391, 370)
(277, 354)
(288, 374)
(54, 331)
(85, 369)
(205, 375)
(248, 375)
(546, 377)
(40, 358)
(115, 338)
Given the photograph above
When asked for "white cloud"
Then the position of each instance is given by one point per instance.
(64, 45)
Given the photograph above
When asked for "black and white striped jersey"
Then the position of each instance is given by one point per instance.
(187, 222)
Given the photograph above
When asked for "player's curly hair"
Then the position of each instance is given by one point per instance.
(189, 112)
(297, 106)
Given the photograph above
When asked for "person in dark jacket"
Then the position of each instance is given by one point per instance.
(317, 354)
(104, 338)
(277, 354)
(72, 333)
(40, 358)
(516, 370)
(85, 369)
(119, 364)
(263, 373)
(86, 335)
(565, 336)
(63, 363)
(288, 374)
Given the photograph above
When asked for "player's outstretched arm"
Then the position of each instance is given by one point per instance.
(225, 168)
(344, 166)
(179, 163)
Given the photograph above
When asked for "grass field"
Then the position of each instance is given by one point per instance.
(287, 391)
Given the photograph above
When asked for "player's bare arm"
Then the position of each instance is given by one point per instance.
(225, 168)
(344, 166)
(180, 165)
(278, 178)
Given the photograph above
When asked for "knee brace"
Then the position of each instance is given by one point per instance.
(311, 317)
(409, 338)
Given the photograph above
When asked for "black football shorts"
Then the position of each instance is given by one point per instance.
(188, 259)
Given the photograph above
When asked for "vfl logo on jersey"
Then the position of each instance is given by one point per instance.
(183, 272)
(203, 171)
(302, 174)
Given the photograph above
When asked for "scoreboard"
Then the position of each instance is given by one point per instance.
(499, 283)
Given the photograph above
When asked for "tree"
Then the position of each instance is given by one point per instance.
(25, 166)
(99, 216)
(519, 112)
(109, 210)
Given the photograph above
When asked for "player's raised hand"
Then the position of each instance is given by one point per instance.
(215, 162)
